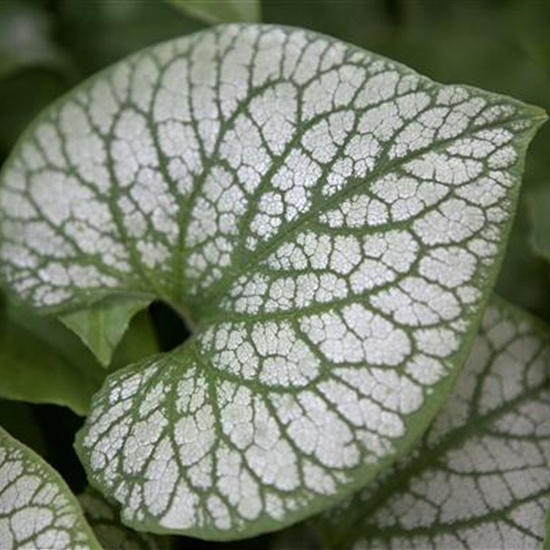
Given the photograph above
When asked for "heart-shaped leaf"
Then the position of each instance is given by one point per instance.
(480, 478)
(37, 509)
(329, 221)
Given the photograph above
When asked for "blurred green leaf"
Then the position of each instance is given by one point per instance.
(26, 38)
(221, 11)
(356, 22)
(538, 201)
(37, 363)
(99, 32)
(102, 325)
(524, 278)
(529, 19)
(33, 69)
(104, 518)
(22, 96)
(139, 341)
(41, 361)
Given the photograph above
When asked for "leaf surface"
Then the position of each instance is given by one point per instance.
(37, 509)
(329, 221)
(479, 478)
(102, 325)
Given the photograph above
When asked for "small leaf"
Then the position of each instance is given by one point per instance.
(37, 508)
(139, 341)
(221, 11)
(102, 325)
(104, 519)
(479, 478)
(42, 362)
(26, 38)
(40, 349)
(330, 222)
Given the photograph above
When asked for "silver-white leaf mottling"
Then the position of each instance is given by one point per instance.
(37, 509)
(325, 216)
(480, 478)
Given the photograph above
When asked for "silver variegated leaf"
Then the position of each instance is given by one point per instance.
(37, 509)
(329, 222)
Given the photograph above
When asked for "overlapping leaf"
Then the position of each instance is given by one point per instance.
(329, 221)
(102, 326)
(104, 520)
(37, 509)
(42, 362)
(479, 479)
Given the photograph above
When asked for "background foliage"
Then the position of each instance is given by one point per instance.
(47, 46)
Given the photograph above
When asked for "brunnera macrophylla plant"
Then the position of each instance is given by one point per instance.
(328, 223)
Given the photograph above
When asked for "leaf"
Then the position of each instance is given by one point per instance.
(104, 520)
(102, 326)
(43, 362)
(33, 70)
(38, 509)
(329, 222)
(34, 369)
(524, 276)
(221, 11)
(139, 341)
(479, 478)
